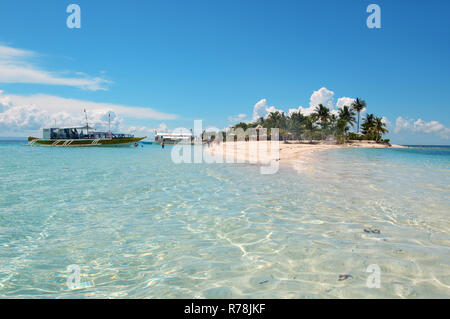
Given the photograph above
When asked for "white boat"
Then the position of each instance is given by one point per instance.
(174, 138)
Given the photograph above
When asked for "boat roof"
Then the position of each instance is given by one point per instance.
(71, 127)
(174, 134)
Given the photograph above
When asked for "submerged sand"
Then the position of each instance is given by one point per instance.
(266, 151)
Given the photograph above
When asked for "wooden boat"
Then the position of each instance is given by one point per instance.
(83, 136)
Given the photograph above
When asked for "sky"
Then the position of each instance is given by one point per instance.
(163, 64)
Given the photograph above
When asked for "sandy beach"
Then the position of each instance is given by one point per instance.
(263, 152)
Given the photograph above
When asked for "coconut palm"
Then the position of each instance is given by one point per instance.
(379, 128)
(347, 114)
(295, 123)
(323, 114)
(358, 106)
(341, 130)
(367, 125)
(309, 127)
(333, 119)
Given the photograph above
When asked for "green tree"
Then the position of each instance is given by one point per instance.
(358, 106)
(367, 124)
(309, 127)
(341, 130)
(322, 113)
(295, 124)
(379, 128)
(242, 125)
(275, 120)
(347, 114)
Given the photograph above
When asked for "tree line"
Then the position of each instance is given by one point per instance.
(322, 124)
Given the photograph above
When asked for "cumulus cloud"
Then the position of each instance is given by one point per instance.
(421, 126)
(261, 109)
(345, 101)
(145, 130)
(385, 120)
(237, 118)
(325, 97)
(28, 113)
(303, 110)
(16, 67)
(322, 96)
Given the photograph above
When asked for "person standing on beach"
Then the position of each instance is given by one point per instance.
(162, 145)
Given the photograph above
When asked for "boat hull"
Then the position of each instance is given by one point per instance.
(114, 142)
(171, 142)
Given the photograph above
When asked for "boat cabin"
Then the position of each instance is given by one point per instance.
(174, 137)
(79, 132)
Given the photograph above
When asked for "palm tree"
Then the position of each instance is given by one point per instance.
(379, 128)
(368, 124)
(347, 114)
(309, 127)
(323, 114)
(358, 106)
(242, 125)
(341, 130)
(295, 123)
(276, 120)
(333, 119)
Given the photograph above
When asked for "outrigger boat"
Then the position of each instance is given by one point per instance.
(86, 136)
(174, 138)
(71, 137)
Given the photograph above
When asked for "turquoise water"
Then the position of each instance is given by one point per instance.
(139, 226)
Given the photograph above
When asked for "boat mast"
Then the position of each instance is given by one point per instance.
(87, 125)
(109, 124)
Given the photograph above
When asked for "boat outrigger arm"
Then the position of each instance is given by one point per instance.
(84, 136)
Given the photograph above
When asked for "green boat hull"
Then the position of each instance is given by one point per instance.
(114, 142)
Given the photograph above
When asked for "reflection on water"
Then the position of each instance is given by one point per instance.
(140, 226)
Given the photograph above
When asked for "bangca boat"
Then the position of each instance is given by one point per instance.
(174, 138)
(84, 136)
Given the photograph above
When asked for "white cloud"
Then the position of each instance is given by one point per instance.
(385, 120)
(29, 113)
(421, 126)
(325, 97)
(146, 131)
(237, 118)
(322, 96)
(302, 110)
(16, 67)
(272, 109)
(345, 101)
(262, 110)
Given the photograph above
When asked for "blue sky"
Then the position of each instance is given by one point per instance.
(214, 60)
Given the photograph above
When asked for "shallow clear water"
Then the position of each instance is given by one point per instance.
(140, 226)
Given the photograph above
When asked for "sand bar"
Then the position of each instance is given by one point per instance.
(265, 151)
